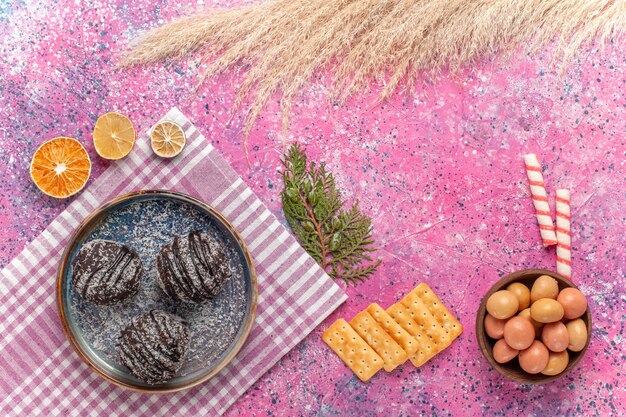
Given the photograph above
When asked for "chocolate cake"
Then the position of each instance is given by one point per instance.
(153, 346)
(106, 272)
(193, 268)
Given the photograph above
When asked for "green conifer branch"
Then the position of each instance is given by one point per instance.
(339, 240)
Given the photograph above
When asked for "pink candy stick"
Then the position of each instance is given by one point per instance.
(540, 200)
(563, 236)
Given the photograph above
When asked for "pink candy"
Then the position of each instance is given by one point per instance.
(563, 237)
(540, 200)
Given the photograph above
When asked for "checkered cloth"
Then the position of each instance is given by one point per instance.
(41, 375)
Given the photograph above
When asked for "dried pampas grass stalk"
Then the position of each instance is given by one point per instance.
(285, 41)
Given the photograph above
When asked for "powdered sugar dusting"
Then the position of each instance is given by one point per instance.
(193, 267)
(145, 227)
(106, 272)
(154, 345)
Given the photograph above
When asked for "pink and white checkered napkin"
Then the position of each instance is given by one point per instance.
(41, 375)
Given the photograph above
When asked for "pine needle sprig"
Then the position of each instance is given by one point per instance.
(339, 240)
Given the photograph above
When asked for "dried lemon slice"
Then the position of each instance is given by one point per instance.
(167, 139)
(113, 136)
(60, 167)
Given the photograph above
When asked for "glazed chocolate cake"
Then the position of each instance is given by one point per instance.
(193, 268)
(106, 272)
(153, 346)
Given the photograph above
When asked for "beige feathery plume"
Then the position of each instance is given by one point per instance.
(286, 41)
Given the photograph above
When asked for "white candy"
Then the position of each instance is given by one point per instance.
(563, 236)
(540, 200)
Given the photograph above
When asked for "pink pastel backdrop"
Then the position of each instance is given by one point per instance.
(440, 173)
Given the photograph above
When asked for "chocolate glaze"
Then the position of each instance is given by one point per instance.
(193, 268)
(153, 346)
(106, 272)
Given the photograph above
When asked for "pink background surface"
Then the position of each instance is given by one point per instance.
(440, 173)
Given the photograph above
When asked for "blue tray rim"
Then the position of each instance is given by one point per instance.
(85, 228)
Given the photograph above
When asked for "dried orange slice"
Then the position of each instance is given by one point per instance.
(167, 139)
(113, 136)
(60, 167)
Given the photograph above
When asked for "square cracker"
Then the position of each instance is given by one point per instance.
(353, 350)
(395, 330)
(375, 336)
(443, 316)
(438, 310)
(427, 347)
(426, 320)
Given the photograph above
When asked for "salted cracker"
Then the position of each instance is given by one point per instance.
(375, 336)
(427, 346)
(439, 311)
(353, 350)
(422, 315)
(393, 328)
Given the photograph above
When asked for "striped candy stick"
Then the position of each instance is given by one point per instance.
(563, 236)
(540, 200)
